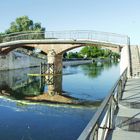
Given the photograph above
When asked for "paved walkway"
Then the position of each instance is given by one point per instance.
(127, 120)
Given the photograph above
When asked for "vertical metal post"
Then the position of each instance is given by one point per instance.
(110, 113)
(117, 96)
(96, 132)
(120, 89)
(124, 80)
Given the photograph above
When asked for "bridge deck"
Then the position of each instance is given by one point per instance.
(127, 120)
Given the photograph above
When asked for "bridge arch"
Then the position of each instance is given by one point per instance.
(59, 47)
(6, 50)
(62, 41)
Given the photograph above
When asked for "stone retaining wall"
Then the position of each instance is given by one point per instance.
(16, 60)
(77, 62)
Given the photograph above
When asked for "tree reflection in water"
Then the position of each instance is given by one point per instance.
(95, 69)
(38, 89)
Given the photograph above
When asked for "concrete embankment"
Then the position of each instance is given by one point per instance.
(16, 60)
(76, 62)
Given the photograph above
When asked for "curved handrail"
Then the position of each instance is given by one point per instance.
(73, 34)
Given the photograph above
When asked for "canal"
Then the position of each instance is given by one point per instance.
(52, 107)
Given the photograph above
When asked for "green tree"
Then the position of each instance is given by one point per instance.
(96, 51)
(91, 52)
(23, 23)
(73, 55)
(107, 53)
(1, 37)
(21, 26)
(115, 56)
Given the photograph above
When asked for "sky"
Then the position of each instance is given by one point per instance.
(116, 16)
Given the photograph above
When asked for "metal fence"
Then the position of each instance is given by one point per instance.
(102, 121)
(73, 34)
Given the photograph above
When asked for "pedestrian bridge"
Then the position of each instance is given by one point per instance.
(66, 40)
(55, 43)
(125, 92)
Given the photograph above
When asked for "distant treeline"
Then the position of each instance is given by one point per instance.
(89, 52)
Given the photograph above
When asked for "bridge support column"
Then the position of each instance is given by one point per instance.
(54, 84)
(56, 61)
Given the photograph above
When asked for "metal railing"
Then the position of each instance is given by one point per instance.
(23, 36)
(102, 121)
(73, 34)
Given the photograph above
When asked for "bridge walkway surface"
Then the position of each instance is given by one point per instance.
(127, 119)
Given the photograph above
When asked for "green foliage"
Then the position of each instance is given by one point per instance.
(107, 53)
(1, 37)
(73, 55)
(115, 56)
(96, 51)
(23, 23)
(92, 52)
(24, 28)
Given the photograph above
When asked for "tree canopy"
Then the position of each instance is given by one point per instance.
(23, 23)
(92, 52)
(96, 51)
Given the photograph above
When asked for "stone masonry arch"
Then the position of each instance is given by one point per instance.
(59, 47)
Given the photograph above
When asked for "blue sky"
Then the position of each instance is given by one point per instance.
(117, 16)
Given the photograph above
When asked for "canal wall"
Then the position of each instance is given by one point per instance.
(76, 62)
(16, 60)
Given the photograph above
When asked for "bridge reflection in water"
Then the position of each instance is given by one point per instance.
(52, 121)
(17, 84)
(71, 88)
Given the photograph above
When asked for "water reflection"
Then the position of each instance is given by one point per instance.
(51, 121)
(95, 69)
(17, 84)
(91, 81)
(51, 91)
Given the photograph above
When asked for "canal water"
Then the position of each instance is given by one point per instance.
(52, 107)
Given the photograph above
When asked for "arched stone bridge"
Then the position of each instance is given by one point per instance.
(55, 43)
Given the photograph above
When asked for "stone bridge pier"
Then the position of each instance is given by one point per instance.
(55, 60)
(56, 43)
(54, 84)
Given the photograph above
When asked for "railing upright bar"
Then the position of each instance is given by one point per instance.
(90, 35)
(120, 89)
(110, 113)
